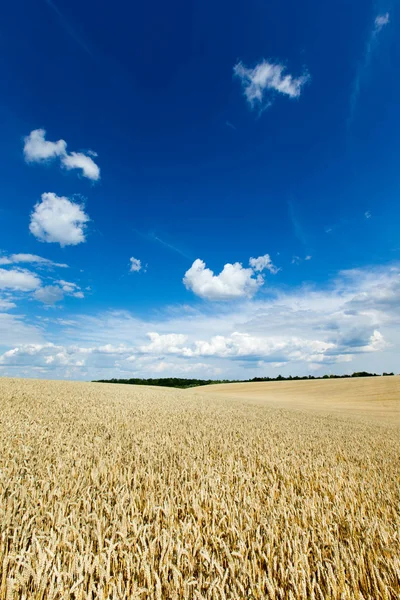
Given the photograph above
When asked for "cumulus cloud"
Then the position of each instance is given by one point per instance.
(266, 78)
(136, 265)
(57, 219)
(170, 343)
(38, 149)
(72, 289)
(239, 345)
(30, 258)
(351, 323)
(78, 160)
(20, 280)
(49, 294)
(263, 263)
(234, 281)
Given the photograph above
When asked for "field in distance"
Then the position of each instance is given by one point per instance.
(119, 492)
(371, 397)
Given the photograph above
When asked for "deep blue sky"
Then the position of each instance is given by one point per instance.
(190, 169)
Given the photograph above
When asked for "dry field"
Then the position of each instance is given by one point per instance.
(116, 492)
(363, 398)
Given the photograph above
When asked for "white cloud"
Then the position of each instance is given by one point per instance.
(352, 323)
(263, 263)
(170, 343)
(296, 260)
(268, 77)
(6, 304)
(68, 286)
(233, 282)
(136, 265)
(381, 21)
(15, 329)
(49, 294)
(371, 45)
(38, 149)
(20, 280)
(57, 219)
(30, 258)
(77, 160)
(367, 214)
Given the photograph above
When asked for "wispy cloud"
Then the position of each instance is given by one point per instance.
(265, 79)
(13, 259)
(379, 23)
(66, 25)
(152, 237)
(39, 150)
(296, 224)
(296, 260)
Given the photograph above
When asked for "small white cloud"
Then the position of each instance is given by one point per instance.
(136, 265)
(381, 21)
(376, 342)
(77, 160)
(263, 263)
(170, 343)
(18, 280)
(68, 286)
(233, 282)
(308, 257)
(38, 149)
(367, 214)
(29, 258)
(296, 260)
(49, 294)
(57, 219)
(268, 77)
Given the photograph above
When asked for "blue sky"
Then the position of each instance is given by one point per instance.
(200, 189)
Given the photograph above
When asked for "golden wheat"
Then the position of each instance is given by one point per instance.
(120, 492)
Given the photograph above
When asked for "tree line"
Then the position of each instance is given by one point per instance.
(177, 382)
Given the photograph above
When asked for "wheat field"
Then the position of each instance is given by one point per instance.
(119, 492)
